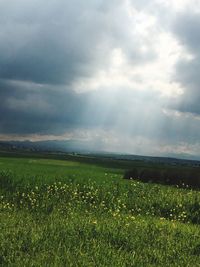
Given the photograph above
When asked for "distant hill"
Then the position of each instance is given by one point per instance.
(55, 145)
(86, 148)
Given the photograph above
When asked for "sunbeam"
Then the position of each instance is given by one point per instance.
(118, 75)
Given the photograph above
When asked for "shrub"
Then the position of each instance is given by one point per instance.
(171, 176)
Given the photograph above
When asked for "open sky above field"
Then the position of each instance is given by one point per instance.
(123, 75)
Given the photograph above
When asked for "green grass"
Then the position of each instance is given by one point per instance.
(68, 213)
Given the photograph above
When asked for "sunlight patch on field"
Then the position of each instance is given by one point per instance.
(53, 162)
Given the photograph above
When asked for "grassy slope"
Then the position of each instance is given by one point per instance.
(65, 213)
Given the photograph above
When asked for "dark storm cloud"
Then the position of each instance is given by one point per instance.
(34, 109)
(45, 48)
(186, 29)
(37, 109)
(29, 108)
(48, 48)
(58, 42)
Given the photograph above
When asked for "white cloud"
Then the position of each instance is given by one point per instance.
(180, 5)
(154, 75)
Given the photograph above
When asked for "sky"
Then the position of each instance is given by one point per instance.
(123, 75)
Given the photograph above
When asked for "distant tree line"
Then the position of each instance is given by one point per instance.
(170, 176)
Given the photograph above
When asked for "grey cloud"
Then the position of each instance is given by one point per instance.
(43, 110)
(46, 46)
(37, 110)
(58, 42)
(186, 29)
(36, 107)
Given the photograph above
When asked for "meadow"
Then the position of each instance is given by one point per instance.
(56, 212)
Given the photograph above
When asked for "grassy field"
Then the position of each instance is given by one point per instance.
(70, 213)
